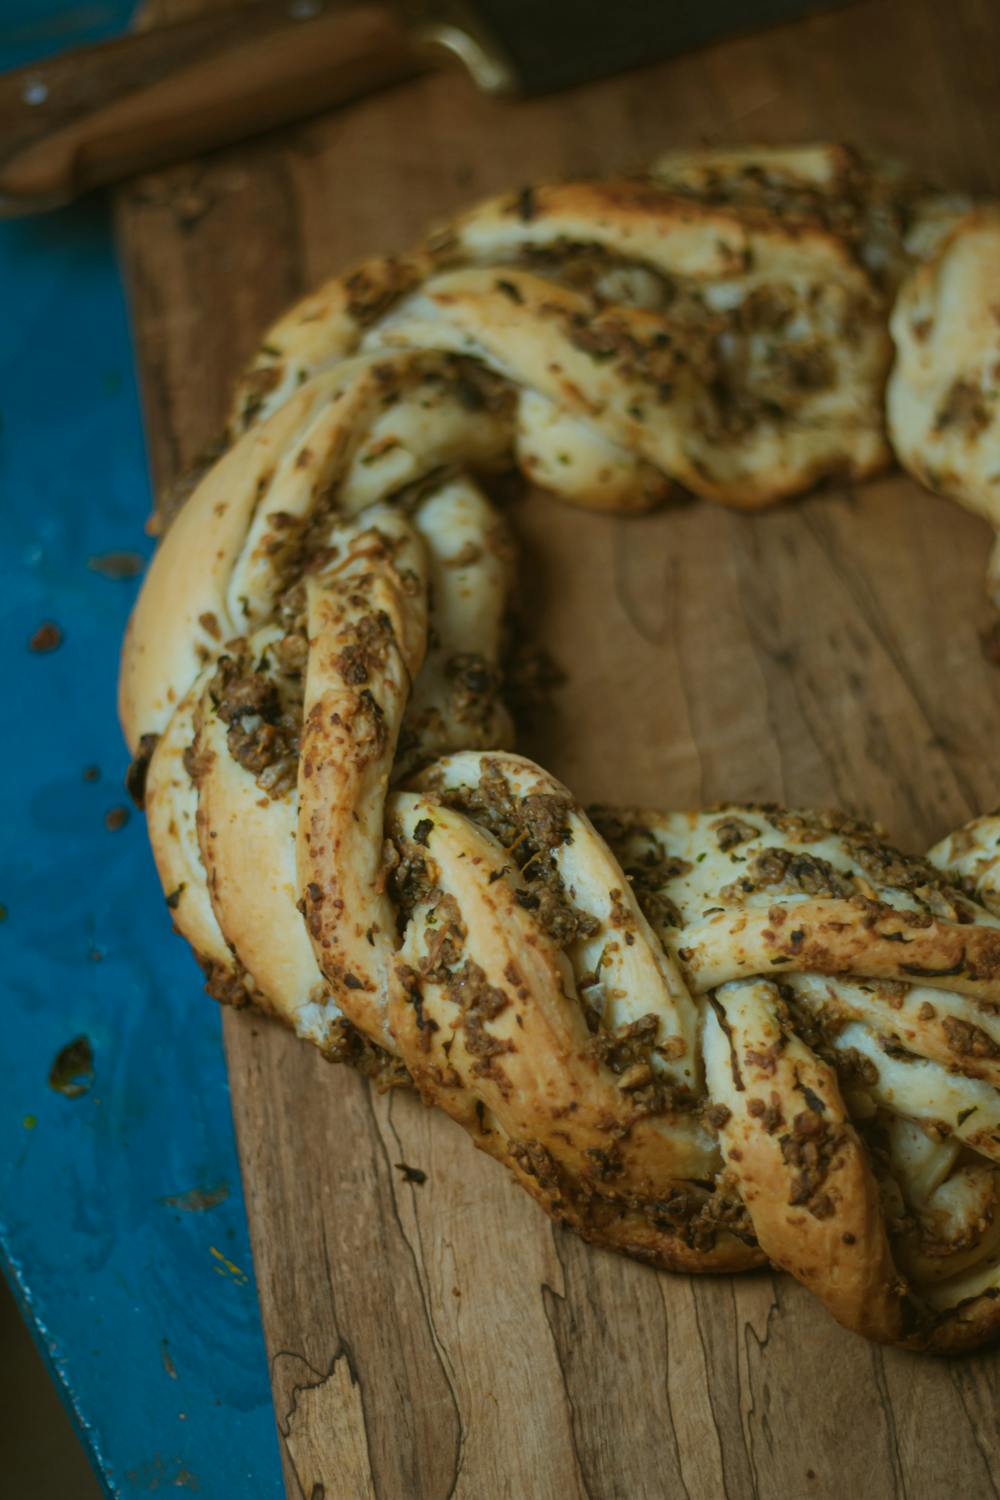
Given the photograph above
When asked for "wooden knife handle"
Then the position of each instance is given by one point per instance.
(92, 116)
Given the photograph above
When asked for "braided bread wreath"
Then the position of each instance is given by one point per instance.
(711, 1040)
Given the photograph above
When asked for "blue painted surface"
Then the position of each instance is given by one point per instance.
(145, 1309)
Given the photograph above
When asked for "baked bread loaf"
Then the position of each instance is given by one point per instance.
(711, 1040)
(943, 400)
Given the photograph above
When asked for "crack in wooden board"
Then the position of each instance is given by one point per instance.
(441, 1340)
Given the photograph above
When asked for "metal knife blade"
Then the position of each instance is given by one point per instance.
(558, 43)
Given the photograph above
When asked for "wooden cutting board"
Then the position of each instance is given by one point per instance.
(443, 1338)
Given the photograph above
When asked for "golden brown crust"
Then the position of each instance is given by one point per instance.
(655, 335)
(367, 626)
(801, 1168)
(969, 1326)
(711, 1039)
(943, 399)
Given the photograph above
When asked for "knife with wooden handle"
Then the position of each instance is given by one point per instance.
(85, 118)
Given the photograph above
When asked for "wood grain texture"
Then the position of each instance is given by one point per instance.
(443, 1339)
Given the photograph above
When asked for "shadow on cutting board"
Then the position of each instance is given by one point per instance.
(42, 1456)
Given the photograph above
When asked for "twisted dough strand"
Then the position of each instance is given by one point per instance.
(710, 1039)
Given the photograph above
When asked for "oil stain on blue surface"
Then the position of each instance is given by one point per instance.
(122, 1224)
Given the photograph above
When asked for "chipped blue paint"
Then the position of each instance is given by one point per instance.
(122, 1225)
